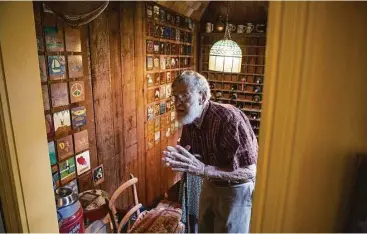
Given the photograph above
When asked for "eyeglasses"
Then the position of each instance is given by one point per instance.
(182, 97)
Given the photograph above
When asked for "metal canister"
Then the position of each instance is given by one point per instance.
(69, 211)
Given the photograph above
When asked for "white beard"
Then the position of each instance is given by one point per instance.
(193, 112)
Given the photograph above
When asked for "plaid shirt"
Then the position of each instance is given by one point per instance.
(222, 136)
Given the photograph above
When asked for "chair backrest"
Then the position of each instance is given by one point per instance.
(136, 209)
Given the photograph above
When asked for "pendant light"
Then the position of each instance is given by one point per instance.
(225, 55)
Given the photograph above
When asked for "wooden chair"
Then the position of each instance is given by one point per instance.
(140, 217)
(108, 219)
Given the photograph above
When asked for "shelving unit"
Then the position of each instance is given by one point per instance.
(243, 89)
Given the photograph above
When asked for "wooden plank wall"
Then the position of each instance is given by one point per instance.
(113, 48)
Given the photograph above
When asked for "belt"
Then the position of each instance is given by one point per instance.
(223, 183)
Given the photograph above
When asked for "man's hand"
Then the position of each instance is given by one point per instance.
(179, 159)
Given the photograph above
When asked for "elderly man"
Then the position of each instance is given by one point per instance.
(218, 144)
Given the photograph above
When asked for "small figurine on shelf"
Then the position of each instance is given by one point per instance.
(233, 87)
(218, 94)
(257, 89)
(254, 115)
(258, 80)
(211, 85)
(234, 96)
(256, 98)
(243, 80)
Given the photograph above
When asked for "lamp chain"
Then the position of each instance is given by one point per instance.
(227, 33)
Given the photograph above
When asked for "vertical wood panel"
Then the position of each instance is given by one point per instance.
(102, 98)
(116, 84)
(89, 97)
(129, 99)
(140, 96)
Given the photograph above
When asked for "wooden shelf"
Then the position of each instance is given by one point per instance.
(257, 120)
(254, 46)
(170, 25)
(229, 73)
(246, 55)
(233, 82)
(171, 55)
(166, 70)
(236, 91)
(167, 40)
(243, 64)
(234, 34)
(236, 100)
(251, 110)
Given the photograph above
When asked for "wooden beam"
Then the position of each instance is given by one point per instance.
(140, 96)
(102, 98)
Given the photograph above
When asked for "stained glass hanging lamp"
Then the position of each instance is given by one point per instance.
(225, 55)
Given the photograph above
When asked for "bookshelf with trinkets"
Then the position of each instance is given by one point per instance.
(169, 51)
(243, 89)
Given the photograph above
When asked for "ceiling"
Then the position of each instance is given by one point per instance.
(193, 9)
(239, 11)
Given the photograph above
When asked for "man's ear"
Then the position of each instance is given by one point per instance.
(203, 98)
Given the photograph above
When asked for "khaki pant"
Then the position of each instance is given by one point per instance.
(225, 209)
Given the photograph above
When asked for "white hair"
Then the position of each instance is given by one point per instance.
(195, 81)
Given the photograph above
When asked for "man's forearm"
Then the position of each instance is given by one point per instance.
(246, 173)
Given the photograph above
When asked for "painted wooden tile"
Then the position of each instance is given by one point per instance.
(149, 45)
(82, 162)
(149, 80)
(75, 65)
(72, 40)
(54, 39)
(168, 90)
(163, 77)
(150, 112)
(162, 91)
(149, 62)
(81, 141)
(52, 153)
(168, 77)
(157, 78)
(78, 116)
(168, 105)
(64, 147)
(156, 94)
(156, 47)
(77, 92)
(56, 67)
(156, 62)
(163, 63)
(62, 123)
(59, 94)
(67, 170)
(157, 124)
(98, 175)
(162, 108)
(156, 109)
